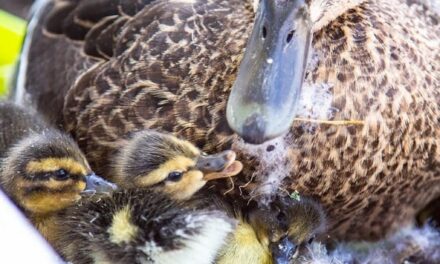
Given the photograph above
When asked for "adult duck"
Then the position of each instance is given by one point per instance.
(104, 68)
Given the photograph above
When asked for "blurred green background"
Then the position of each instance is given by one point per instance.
(12, 30)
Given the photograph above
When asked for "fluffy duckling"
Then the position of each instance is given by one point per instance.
(142, 226)
(155, 219)
(274, 236)
(42, 169)
(168, 164)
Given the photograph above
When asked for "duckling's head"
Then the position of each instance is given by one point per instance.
(47, 172)
(264, 97)
(174, 166)
(287, 227)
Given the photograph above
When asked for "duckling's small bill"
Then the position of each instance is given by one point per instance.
(95, 183)
(220, 165)
(230, 171)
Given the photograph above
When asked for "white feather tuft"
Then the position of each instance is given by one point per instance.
(422, 244)
(197, 248)
(272, 168)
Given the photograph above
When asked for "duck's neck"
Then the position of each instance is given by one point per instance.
(322, 12)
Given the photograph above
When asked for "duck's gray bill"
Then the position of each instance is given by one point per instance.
(264, 97)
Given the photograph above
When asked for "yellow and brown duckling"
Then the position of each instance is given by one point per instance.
(42, 169)
(142, 226)
(168, 164)
(275, 235)
(155, 217)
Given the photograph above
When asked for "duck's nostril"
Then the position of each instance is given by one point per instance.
(264, 32)
(290, 36)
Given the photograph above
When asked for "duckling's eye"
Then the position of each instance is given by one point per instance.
(61, 175)
(175, 176)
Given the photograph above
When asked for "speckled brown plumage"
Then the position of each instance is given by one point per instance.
(170, 67)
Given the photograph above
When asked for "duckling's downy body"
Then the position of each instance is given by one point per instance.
(272, 236)
(41, 169)
(170, 65)
(142, 226)
(149, 226)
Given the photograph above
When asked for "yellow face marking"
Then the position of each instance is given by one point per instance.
(191, 182)
(52, 184)
(122, 229)
(53, 164)
(179, 163)
(44, 202)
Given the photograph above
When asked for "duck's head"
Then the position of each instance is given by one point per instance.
(46, 173)
(171, 165)
(263, 101)
(286, 229)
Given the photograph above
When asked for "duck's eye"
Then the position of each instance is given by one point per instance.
(311, 240)
(175, 176)
(61, 175)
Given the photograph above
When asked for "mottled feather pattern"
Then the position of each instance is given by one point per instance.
(174, 63)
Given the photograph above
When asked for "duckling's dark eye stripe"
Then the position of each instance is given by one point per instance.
(53, 164)
(46, 176)
(158, 184)
(28, 191)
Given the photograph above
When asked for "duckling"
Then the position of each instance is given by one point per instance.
(278, 235)
(142, 226)
(155, 218)
(161, 161)
(42, 169)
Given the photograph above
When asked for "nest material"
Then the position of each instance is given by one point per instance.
(410, 245)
